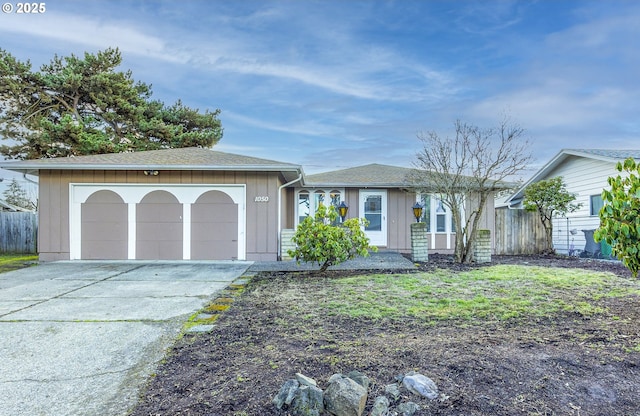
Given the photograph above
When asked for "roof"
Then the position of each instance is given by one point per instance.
(384, 176)
(607, 155)
(190, 158)
(5, 206)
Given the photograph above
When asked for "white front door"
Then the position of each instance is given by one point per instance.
(373, 207)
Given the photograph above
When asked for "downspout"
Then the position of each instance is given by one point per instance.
(280, 188)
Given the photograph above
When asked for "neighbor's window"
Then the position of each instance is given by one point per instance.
(596, 204)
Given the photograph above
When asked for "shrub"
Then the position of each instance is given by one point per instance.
(620, 215)
(319, 241)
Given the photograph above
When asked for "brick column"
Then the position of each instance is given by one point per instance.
(482, 247)
(419, 242)
(286, 243)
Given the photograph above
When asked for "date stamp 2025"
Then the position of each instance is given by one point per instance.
(24, 8)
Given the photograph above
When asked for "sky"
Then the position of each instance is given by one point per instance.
(335, 84)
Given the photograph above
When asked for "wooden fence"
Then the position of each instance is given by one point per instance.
(518, 232)
(18, 232)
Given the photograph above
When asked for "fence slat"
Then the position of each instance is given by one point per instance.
(18, 232)
(518, 232)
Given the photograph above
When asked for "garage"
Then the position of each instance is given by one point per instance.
(157, 222)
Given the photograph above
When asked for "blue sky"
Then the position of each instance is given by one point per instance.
(334, 84)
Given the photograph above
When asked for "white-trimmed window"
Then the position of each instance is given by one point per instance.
(436, 214)
(308, 201)
(595, 204)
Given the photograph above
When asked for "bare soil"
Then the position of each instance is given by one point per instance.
(568, 365)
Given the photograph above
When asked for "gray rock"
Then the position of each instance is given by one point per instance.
(308, 401)
(344, 397)
(286, 394)
(393, 391)
(420, 385)
(380, 406)
(408, 408)
(305, 381)
(359, 378)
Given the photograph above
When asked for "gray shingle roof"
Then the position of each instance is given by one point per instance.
(367, 175)
(191, 158)
(617, 154)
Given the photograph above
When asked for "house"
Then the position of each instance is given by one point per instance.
(585, 173)
(200, 204)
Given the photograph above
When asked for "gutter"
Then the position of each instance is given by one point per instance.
(280, 188)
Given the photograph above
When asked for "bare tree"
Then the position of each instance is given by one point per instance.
(466, 170)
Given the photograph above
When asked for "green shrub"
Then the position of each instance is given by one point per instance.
(620, 215)
(319, 241)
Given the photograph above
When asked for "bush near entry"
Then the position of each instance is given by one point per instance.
(319, 241)
(620, 215)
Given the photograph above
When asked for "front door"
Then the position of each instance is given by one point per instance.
(373, 206)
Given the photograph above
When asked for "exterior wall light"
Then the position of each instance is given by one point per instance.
(342, 210)
(151, 172)
(417, 211)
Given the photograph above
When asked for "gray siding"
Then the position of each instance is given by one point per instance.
(261, 221)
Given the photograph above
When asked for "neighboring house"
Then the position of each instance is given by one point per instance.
(585, 173)
(5, 206)
(201, 204)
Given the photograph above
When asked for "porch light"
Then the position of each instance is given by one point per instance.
(417, 211)
(151, 172)
(342, 210)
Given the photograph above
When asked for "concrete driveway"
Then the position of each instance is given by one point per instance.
(81, 338)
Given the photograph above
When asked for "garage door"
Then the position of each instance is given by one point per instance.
(159, 227)
(214, 227)
(104, 227)
(157, 221)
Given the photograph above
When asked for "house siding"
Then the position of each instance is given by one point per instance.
(583, 177)
(261, 217)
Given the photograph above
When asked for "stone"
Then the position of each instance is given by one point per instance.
(344, 397)
(408, 408)
(420, 385)
(286, 394)
(380, 406)
(305, 381)
(393, 391)
(359, 378)
(308, 401)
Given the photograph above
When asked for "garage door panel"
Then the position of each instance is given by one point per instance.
(159, 228)
(108, 231)
(104, 227)
(214, 227)
(215, 232)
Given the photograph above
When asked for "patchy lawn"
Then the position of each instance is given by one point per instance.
(537, 336)
(10, 262)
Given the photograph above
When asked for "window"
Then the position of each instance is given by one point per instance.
(596, 204)
(436, 214)
(310, 200)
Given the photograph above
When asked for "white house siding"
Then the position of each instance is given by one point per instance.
(583, 177)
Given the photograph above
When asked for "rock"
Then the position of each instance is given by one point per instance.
(359, 378)
(344, 397)
(308, 401)
(380, 406)
(286, 394)
(305, 381)
(420, 385)
(393, 391)
(408, 408)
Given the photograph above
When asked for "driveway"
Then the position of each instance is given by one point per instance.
(81, 338)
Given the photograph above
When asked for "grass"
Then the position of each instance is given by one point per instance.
(500, 292)
(10, 262)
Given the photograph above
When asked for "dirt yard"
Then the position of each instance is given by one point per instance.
(569, 364)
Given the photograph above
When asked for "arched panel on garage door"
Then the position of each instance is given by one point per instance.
(104, 227)
(214, 227)
(159, 227)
